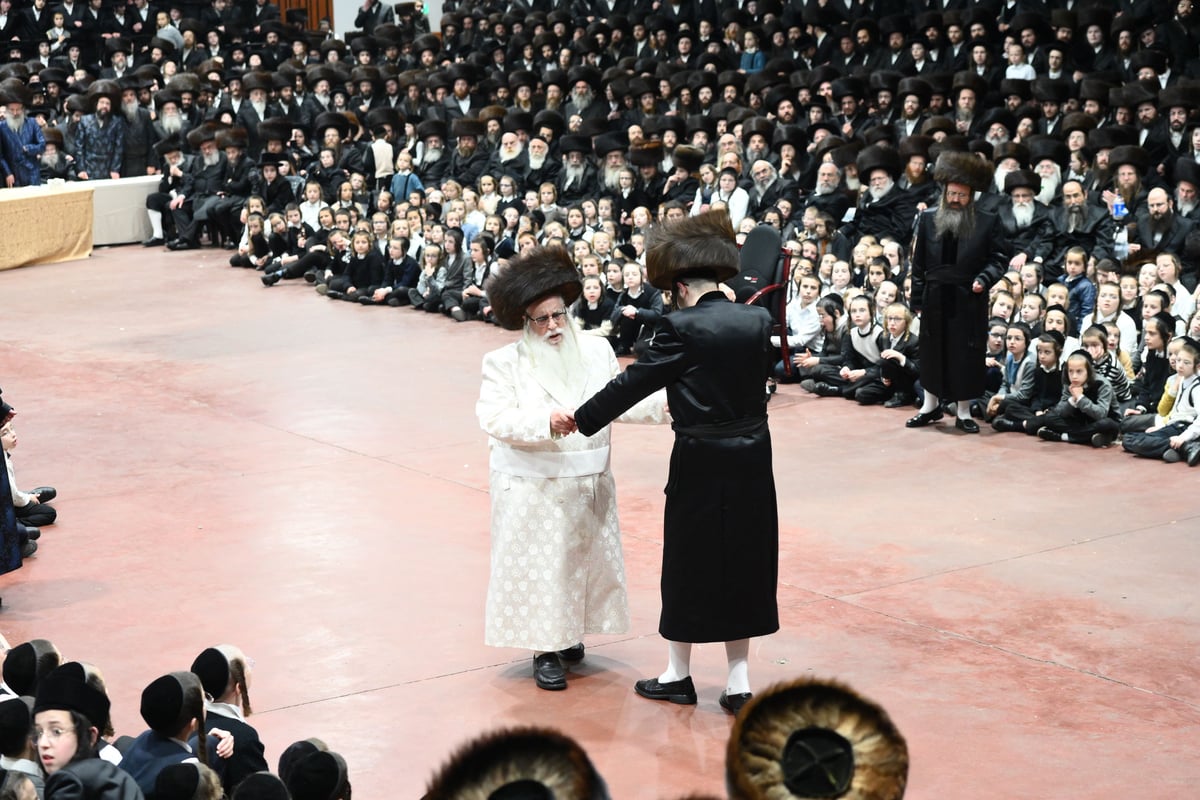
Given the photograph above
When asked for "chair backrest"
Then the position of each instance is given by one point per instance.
(763, 279)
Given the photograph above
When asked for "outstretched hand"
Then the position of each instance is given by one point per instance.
(562, 422)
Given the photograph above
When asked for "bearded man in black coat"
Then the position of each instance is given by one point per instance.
(884, 209)
(957, 256)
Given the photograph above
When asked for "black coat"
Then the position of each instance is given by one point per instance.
(92, 779)
(954, 317)
(890, 215)
(1035, 240)
(248, 753)
(1095, 236)
(721, 526)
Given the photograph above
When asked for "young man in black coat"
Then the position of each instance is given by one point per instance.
(721, 525)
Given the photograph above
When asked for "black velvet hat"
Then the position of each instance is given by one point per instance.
(320, 776)
(67, 688)
(29, 662)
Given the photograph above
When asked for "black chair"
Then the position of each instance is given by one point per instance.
(763, 281)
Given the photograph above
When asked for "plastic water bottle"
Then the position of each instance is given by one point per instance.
(1121, 241)
(1119, 210)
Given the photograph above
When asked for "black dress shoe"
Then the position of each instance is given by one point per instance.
(182, 244)
(30, 532)
(1191, 452)
(823, 389)
(154, 241)
(548, 672)
(966, 425)
(45, 493)
(572, 655)
(28, 549)
(733, 702)
(898, 400)
(924, 418)
(271, 278)
(680, 692)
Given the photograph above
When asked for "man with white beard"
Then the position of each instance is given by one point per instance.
(509, 155)
(170, 186)
(170, 122)
(610, 148)
(256, 85)
(557, 571)
(21, 140)
(956, 257)
(827, 195)
(197, 194)
(578, 177)
(585, 99)
(433, 160)
(884, 209)
(1187, 187)
(137, 158)
(55, 163)
(1027, 234)
(1051, 174)
(539, 167)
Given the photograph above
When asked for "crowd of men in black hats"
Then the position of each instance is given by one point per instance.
(823, 119)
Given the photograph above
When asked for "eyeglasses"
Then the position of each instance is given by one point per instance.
(894, 319)
(544, 320)
(53, 734)
(995, 335)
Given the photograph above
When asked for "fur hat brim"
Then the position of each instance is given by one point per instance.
(964, 168)
(540, 273)
(813, 738)
(692, 245)
(485, 766)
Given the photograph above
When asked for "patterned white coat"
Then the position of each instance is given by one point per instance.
(557, 571)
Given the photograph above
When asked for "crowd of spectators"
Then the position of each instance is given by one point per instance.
(399, 167)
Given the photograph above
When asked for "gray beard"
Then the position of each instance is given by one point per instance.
(259, 108)
(573, 173)
(212, 159)
(1185, 208)
(15, 122)
(1074, 218)
(130, 110)
(172, 124)
(763, 186)
(853, 183)
(877, 194)
(49, 160)
(583, 99)
(536, 162)
(431, 155)
(953, 222)
(823, 190)
(1023, 214)
(612, 178)
(996, 140)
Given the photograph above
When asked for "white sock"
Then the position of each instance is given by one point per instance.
(155, 223)
(738, 653)
(963, 410)
(929, 403)
(679, 662)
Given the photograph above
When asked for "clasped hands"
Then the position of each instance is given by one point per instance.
(562, 422)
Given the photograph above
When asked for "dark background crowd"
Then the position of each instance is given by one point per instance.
(399, 167)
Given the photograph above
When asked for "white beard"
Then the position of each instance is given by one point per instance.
(558, 368)
(999, 177)
(1184, 208)
(876, 194)
(574, 174)
(1023, 214)
(612, 178)
(16, 122)
(1049, 190)
(823, 189)
(260, 109)
(172, 124)
(536, 162)
(130, 111)
(509, 155)
(211, 159)
(853, 183)
(431, 155)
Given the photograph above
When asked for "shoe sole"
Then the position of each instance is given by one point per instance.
(677, 699)
(550, 687)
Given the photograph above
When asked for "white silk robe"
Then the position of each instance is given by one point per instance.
(557, 571)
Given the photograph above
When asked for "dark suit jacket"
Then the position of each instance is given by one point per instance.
(1035, 240)
(1095, 236)
(1171, 242)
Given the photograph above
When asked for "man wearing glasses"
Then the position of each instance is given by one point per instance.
(557, 570)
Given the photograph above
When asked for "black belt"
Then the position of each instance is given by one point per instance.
(749, 426)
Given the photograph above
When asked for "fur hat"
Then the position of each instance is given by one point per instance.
(531, 277)
(965, 168)
(278, 129)
(700, 244)
(1187, 170)
(878, 157)
(432, 127)
(611, 142)
(543, 762)
(1018, 178)
(812, 738)
(688, 157)
(1047, 147)
(1011, 150)
(647, 154)
(233, 137)
(915, 86)
(465, 126)
(1110, 136)
(331, 119)
(572, 143)
(257, 80)
(1135, 156)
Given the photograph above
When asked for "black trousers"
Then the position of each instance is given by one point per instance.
(36, 514)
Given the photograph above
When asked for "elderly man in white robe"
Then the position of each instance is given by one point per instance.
(557, 571)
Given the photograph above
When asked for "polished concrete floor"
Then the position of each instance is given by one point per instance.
(306, 479)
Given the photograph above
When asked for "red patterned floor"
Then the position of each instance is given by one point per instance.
(306, 479)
